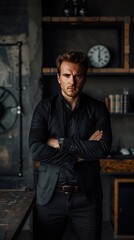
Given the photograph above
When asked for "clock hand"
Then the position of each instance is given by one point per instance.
(99, 54)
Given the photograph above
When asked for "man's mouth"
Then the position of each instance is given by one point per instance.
(71, 88)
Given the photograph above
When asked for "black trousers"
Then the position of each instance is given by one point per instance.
(84, 215)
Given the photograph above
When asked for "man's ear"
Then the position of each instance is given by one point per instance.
(58, 77)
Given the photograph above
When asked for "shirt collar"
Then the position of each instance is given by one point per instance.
(80, 103)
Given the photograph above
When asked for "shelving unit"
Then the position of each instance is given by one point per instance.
(122, 24)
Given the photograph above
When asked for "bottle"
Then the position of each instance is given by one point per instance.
(75, 8)
(83, 8)
(67, 9)
(125, 100)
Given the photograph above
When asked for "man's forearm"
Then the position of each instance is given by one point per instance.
(96, 136)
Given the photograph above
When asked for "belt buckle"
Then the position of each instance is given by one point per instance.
(67, 189)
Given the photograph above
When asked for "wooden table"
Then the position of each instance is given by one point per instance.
(15, 207)
(109, 165)
(117, 166)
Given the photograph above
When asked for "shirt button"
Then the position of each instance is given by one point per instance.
(72, 147)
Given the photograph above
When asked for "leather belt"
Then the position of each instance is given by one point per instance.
(67, 189)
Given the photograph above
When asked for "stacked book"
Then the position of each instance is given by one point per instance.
(118, 103)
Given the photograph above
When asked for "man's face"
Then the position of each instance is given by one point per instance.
(71, 79)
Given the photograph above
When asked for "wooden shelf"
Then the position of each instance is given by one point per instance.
(60, 19)
(52, 70)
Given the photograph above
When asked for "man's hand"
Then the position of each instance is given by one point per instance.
(96, 136)
(53, 142)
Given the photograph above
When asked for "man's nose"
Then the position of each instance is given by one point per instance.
(72, 78)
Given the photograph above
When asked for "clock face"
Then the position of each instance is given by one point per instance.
(99, 56)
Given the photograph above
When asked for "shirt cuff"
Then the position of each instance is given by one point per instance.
(60, 141)
(68, 145)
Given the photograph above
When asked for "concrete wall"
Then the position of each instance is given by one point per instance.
(20, 21)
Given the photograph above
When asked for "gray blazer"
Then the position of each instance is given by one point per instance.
(47, 179)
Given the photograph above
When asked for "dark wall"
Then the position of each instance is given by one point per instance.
(13, 17)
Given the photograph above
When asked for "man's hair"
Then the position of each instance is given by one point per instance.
(73, 57)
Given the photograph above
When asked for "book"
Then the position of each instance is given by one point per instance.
(112, 103)
(118, 103)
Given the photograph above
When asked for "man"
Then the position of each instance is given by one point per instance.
(69, 133)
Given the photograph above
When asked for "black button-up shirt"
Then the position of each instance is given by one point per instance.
(68, 173)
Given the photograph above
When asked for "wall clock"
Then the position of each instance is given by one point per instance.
(99, 56)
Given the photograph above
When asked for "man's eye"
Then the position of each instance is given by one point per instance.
(79, 77)
(66, 75)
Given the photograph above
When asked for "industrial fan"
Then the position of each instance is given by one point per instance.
(8, 110)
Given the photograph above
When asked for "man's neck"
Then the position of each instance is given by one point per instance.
(72, 101)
